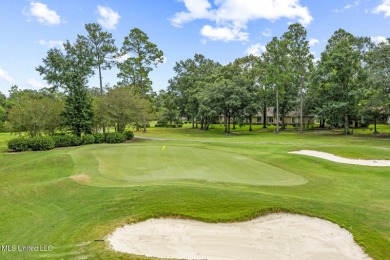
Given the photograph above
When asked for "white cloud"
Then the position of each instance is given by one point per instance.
(313, 41)
(122, 58)
(52, 43)
(256, 49)
(197, 9)
(354, 4)
(4, 75)
(234, 15)
(267, 32)
(224, 33)
(108, 18)
(383, 8)
(378, 39)
(36, 84)
(43, 14)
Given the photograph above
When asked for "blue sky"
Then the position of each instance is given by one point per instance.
(222, 30)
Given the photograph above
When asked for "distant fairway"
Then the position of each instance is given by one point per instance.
(130, 164)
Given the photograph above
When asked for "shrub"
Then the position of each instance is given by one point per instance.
(129, 135)
(116, 137)
(88, 139)
(41, 143)
(76, 141)
(62, 140)
(99, 138)
(19, 144)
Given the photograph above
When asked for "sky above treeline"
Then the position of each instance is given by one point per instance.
(222, 30)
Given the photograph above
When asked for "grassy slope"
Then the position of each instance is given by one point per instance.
(40, 205)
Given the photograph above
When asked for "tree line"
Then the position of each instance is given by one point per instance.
(349, 83)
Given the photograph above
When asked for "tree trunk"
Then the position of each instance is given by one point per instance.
(346, 124)
(201, 123)
(265, 115)
(301, 113)
(283, 127)
(277, 111)
(193, 122)
(228, 124)
(375, 131)
(225, 122)
(144, 122)
(250, 123)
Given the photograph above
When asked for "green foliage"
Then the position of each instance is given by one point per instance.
(76, 140)
(62, 140)
(102, 47)
(36, 113)
(70, 70)
(129, 135)
(123, 105)
(19, 144)
(99, 138)
(114, 138)
(78, 113)
(88, 139)
(41, 143)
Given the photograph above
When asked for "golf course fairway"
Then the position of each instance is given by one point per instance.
(130, 165)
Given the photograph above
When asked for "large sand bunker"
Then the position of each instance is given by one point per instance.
(335, 158)
(275, 236)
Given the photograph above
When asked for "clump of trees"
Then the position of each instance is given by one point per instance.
(71, 104)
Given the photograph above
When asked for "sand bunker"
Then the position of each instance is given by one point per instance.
(334, 158)
(275, 236)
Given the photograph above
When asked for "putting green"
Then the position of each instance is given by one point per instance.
(130, 165)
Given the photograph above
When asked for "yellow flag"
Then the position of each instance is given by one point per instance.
(163, 148)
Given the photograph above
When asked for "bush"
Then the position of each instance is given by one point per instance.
(19, 144)
(114, 138)
(76, 141)
(62, 140)
(129, 135)
(41, 143)
(99, 138)
(88, 139)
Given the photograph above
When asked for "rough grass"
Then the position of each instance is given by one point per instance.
(42, 205)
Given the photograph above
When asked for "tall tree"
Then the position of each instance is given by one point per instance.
(340, 77)
(192, 76)
(71, 71)
(248, 67)
(376, 102)
(276, 66)
(301, 61)
(143, 55)
(230, 93)
(103, 48)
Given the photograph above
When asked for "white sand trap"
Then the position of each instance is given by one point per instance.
(275, 236)
(334, 158)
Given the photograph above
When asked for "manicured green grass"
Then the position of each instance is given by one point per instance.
(42, 204)
(148, 164)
